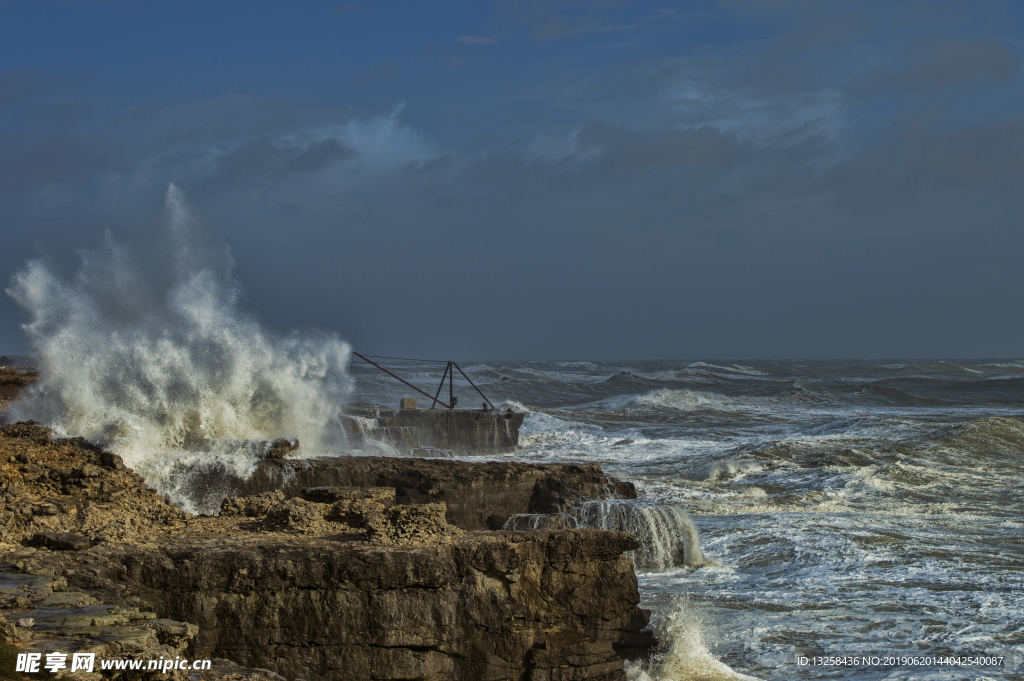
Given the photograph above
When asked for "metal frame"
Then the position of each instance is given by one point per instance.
(449, 373)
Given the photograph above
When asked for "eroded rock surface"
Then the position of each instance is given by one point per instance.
(484, 606)
(41, 614)
(344, 581)
(478, 496)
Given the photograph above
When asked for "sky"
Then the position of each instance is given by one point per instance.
(520, 179)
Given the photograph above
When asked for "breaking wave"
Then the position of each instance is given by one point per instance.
(687, 657)
(693, 400)
(996, 435)
(162, 366)
(703, 371)
(686, 400)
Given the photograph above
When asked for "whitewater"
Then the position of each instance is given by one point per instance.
(164, 367)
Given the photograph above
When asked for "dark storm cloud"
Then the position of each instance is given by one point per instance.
(561, 19)
(267, 159)
(37, 105)
(477, 40)
(945, 64)
(705, 147)
(230, 118)
(824, 30)
(912, 163)
(914, 179)
(211, 146)
(384, 71)
(785, 179)
(19, 84)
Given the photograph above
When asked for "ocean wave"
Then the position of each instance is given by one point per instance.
(545, 375)
(731, 369)
(481, 372)
(668, 538)
(1015, 365)
(691, 400)
(688, 656)
(836, 425)
(590, 366)
(687, 400)
(161, 369)
(984, 437)
(813, 453)
(805, 393)
(940, 367)
(611, 404)
(541, 426)
(877, 394)
(624, 379)
(703, 372)
(720, 470)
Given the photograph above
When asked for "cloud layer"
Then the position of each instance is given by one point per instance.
(579, 179)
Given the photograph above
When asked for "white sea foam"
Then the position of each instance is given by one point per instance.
(688, 657)
(699, 400)
(590, 366)
(731, 369)
(704, 372)
(614, 403)
(722, 469)
(692, 399)
(539, 425)
(165, 368)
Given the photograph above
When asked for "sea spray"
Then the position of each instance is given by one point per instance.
(164, 367)
(686, 656)
(667, 536)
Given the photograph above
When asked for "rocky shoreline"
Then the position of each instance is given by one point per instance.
(478, 496)
(335, 568)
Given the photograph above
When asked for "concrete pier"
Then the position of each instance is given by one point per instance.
(462, 431)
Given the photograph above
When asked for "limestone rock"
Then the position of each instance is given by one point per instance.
(479, 496)
(29, 429)
(254, 506)
(297, 515)
(281, 448)
(61, 541)
(326, 495)
(408, 525)
(366, 576)
(483, 606)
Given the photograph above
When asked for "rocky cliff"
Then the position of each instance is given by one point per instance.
(545, 605)
(366, 577)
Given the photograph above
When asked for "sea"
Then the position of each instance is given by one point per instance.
(798, 520)
(801, 519)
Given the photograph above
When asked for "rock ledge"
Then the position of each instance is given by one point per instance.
(385, 572)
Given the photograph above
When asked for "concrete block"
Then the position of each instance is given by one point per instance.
(408, 403)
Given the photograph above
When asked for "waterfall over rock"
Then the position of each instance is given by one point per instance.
(667, 536)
